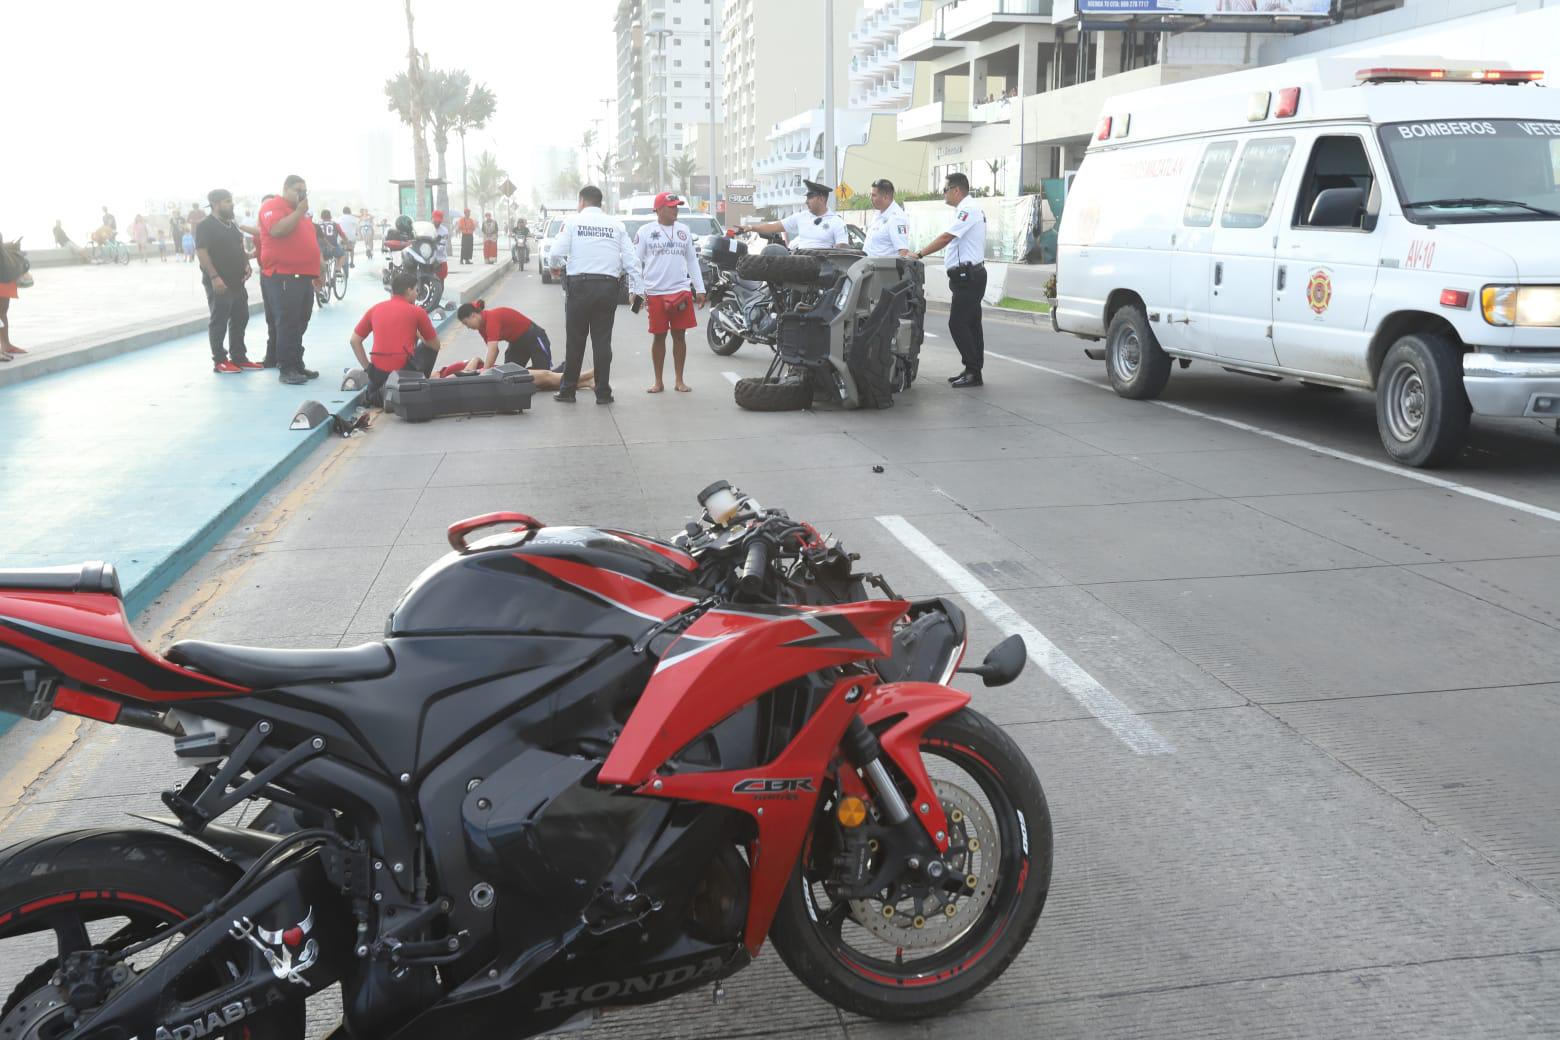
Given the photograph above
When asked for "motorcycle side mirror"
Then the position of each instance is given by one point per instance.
(1003, 664)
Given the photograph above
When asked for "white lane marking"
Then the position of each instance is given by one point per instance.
(1342, 456)
(731, 377)
(1132, 730)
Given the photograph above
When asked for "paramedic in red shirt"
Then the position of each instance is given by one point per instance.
(396, 325)
(524, 341)
(290, 255)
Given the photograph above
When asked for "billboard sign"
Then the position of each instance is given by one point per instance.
(740, 194)
(1209, 8)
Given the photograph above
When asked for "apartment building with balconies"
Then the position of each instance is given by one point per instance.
(669, 73)
(1016, 86)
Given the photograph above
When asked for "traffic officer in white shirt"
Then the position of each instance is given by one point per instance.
(598, 253)
(888, 232)
(818, 228)
(672, 282)
(966, 267)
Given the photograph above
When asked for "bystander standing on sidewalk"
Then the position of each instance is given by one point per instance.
(366, 229)
(224, 271)
(162, 245)
(267, 287)
(187, 244)
(468, 231)
(141, 235)
(403, 336)
(442, 251)
(61, 239)
(489, 239)
(195, 217)
(291, 255)
(175, 230)
(110, 223)
(10, 276)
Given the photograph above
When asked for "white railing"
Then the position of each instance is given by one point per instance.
(930, 119)
(999, 111)
(913, 39)
(972, 14)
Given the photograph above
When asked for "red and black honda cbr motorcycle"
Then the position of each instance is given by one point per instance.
(583, 769)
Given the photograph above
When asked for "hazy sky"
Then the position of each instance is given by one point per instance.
(123, 103)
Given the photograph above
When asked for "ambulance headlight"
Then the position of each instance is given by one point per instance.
(1524, 306)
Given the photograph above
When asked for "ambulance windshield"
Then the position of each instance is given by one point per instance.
(1463, 171)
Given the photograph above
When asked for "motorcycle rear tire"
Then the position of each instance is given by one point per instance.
(761, 395)
(721, 342)
(118, 869)
(798, 934)
(787, 270)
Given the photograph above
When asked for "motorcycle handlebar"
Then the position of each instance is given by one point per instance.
(750, 580)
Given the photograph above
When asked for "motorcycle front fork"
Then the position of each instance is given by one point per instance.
(865, 752)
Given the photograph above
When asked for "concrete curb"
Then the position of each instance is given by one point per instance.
(112, 346)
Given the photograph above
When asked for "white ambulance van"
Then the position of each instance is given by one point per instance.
(1393, 228)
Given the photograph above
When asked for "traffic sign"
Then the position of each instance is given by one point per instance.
(508, 187)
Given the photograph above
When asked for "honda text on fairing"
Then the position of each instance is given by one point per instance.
(584, 768)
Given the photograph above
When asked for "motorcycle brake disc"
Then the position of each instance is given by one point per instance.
(938, 918)
(41, 1015)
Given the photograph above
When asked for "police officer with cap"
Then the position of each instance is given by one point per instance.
(818, 228)
(966, 268)
(888, 231)
(598, 253)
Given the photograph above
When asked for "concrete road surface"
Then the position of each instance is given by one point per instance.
(1296, 711)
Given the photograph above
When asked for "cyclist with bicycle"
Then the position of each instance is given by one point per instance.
(332, 239)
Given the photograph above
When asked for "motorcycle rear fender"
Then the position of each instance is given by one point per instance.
(86, 638)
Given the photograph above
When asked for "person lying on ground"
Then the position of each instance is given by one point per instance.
(523, 341)
(545, 379)
(396, 325)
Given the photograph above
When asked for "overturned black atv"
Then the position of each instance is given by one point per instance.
(850, 335)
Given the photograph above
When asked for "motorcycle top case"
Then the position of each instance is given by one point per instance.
(723, 252)
(505, 389)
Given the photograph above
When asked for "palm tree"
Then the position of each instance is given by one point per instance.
(485, 180)
(682, 170)
(606, 162)
(445, 96)
(474, 114)
(587, 139)
(647, 161)
(405, 94)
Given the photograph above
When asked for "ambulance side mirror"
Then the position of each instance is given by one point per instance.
(1372, 207)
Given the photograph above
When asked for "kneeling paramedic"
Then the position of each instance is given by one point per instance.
(503, 328)
(396, 325)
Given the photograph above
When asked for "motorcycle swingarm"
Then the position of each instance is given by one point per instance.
(295, 902)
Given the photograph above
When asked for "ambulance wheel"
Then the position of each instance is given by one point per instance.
(1422, 409)
(1138, 367)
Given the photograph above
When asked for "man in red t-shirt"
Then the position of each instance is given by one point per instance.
(396, 324)
(290, 255)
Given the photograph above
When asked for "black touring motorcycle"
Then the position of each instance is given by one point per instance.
(584, 768)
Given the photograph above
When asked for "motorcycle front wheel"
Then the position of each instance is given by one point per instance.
(109, 890)
(908, 953)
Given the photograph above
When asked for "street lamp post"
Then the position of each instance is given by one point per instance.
(661, 35)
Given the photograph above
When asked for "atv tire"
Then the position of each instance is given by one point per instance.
(871, 362)
(786, 270)
(761, 395)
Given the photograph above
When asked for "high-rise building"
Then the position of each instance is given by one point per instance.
(773, 57)
(669, 71)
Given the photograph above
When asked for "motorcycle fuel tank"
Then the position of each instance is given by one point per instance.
(574, 580)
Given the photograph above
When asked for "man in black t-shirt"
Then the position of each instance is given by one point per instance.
(224, 265)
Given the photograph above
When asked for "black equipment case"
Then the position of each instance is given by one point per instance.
(506, 389)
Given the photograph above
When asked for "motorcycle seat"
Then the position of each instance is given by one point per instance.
(259, 667)
(79, 577)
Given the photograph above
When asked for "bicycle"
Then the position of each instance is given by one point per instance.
(112, 252)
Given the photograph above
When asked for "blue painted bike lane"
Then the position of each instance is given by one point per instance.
(145, 460)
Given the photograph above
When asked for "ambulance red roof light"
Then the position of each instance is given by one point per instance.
(1410, 75)
(1288, 103)
(1104, 134)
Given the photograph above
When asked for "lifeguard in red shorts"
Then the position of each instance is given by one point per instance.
(673, 284)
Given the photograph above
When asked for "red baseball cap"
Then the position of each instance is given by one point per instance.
(668, 198)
